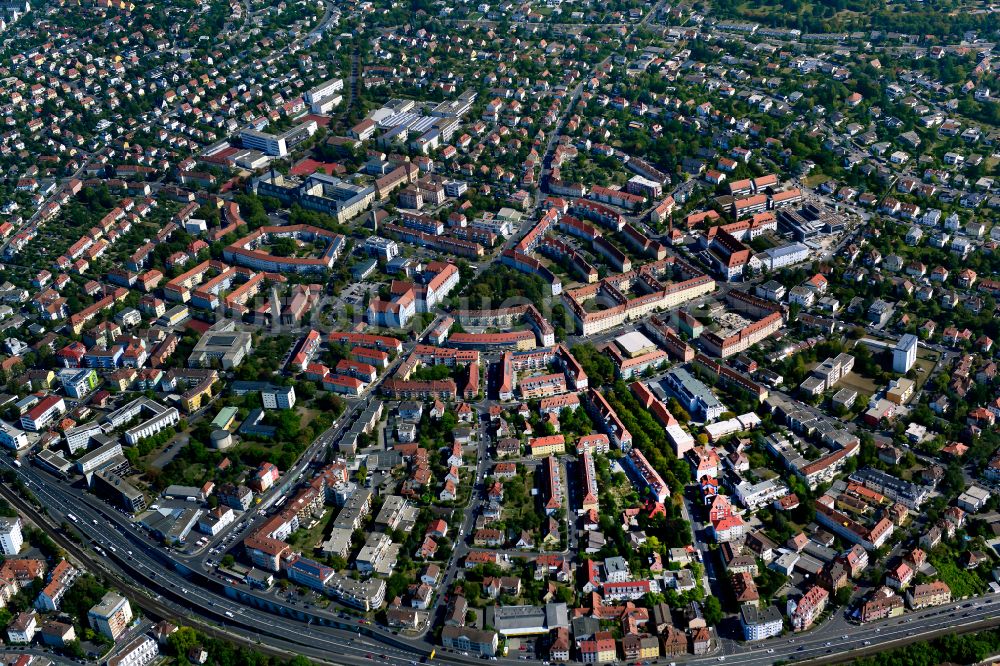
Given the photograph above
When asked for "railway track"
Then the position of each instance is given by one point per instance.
(140, 596)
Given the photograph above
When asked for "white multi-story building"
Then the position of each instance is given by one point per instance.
(129, 317)
(139, 652)
(94, 459)
(13, 438)
(78, 382)
(79, 438)
(324, 89)
(23, 628)
(11, 539)
(759, 624)
(44, 413)
(111, 616)
(693, 395)
(159, 418)
(152, 426)
(905, 353)
(755, 495)
(278, 397)
(383, 248)
(445, 279)
(783, 255)
(324, 97)
(364, 594)
(216, 520)
(269, 144)
(372, 554)
(616, 570)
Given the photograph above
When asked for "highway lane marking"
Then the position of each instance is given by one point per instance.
(117, 538)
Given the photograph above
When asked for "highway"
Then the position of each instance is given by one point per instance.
(837, 637)
(127, 552)
(180, 589)
(130, 551)
(184, 596)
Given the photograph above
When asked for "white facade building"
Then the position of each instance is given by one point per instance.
(11, 539)
(12, 437)
(139, 652)
(905, 353)
(783, 255)
(278, 397)
(759, 624)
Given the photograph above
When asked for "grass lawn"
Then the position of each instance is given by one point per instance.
(764, 242)
(857, 382)
(623, 493)
(962, 583)
(815, 178)
(927, 365)
(311, 538)
(308, 415)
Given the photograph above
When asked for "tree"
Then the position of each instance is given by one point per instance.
(73, 649)
(396, 585)
(182, 640)
(713, 611)
(86, 591)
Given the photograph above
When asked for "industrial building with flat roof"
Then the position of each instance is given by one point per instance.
(527, 620)
(223, 344)
(694, 395)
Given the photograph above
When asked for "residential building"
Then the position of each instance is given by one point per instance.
(469, 639)
(760, 623)
(807, 609)
(11, 538)
(23, 628)
(905, 353)
(139, 652)
(928, 594)
(111, 616)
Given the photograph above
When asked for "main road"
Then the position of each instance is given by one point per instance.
(140, 565)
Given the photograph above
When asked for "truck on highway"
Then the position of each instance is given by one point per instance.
(71, 517)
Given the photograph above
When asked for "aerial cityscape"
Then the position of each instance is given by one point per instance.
(365, 331)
